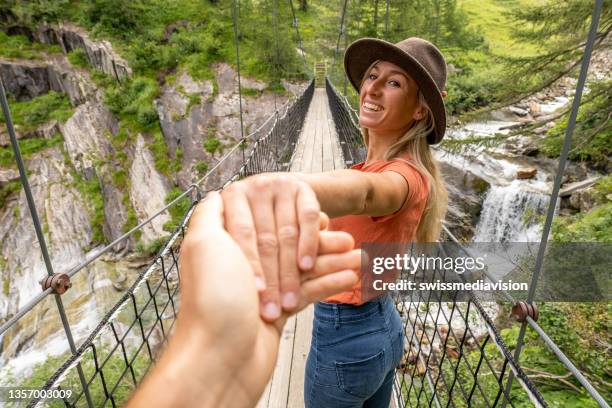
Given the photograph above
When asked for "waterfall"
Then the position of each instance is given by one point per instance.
(509, 214)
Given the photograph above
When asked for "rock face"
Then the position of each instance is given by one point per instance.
(99, 53)
(66, 224)
(465, 196)
(25, 80)
(187, 125)
(86, 134)
(148, 191)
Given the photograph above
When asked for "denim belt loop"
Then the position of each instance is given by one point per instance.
(336, 316)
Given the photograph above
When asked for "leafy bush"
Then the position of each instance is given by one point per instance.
(178, 210)
(212, 144)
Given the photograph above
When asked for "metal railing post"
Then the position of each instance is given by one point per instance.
(39, 232)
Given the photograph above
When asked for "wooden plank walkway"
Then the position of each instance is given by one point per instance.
(317, 150)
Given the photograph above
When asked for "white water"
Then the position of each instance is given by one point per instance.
(511, 206)
(504, 213)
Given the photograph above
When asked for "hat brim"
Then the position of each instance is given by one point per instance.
(363, 52)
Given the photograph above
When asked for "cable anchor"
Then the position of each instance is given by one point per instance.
(58, 282)
(522, 309)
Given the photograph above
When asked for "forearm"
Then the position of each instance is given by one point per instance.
(340, 192)
(189, 374)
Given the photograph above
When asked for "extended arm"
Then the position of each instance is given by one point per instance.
(343, 192)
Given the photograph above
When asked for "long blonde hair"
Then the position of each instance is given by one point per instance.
(414, 142)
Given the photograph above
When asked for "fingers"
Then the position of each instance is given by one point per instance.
(288, 233)
(326, 286)
(308, 212)
(239, 223)
(323, 221)
(328, 264)
(331, 242)
(268, 246)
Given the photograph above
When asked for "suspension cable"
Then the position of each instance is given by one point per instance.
(387, 22)
(297, 31)
(277, 62)
(339, 33)
(235, 21)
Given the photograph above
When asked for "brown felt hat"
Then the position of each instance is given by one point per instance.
(419, 58)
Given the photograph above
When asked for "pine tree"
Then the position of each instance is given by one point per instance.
(561, 27)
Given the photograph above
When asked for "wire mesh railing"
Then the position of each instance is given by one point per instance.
(447, 367)
(347, 128)
(103, 369)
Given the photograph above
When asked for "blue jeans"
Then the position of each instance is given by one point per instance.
(353, 355)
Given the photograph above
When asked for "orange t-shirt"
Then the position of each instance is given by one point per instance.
(398, 227)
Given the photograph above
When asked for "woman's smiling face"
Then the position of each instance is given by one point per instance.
(388, 99)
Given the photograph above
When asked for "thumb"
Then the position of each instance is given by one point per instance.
(208, 214)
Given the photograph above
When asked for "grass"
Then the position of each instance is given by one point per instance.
(178, 210)
(92, 191)
(491, 19)
(29, 115)
(20, 47)
(28, 148)
(78, 58)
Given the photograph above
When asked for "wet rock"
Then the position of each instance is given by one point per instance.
(65, 223)
(48, 130)
(526, 173)
(466, 192)
(115, 213)
(582, 200)
(25, 80)
(518, 111)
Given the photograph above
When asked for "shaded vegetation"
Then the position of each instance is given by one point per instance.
(28, 148)
(29, 115)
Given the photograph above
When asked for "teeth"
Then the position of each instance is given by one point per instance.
(372, 106)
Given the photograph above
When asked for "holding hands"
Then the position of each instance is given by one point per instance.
(222, 352)
(275, 219)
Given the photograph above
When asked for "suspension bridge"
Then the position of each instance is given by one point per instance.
(316, 131)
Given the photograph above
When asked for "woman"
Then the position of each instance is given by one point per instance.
(396, 195)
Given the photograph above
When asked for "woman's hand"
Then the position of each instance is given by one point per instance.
(275, 219)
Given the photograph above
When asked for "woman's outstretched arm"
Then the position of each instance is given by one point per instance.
(274, 217)
(343, 192)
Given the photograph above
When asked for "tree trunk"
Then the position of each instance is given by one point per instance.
(303, 5)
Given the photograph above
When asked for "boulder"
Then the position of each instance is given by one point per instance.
(518, 111)
(582, 200)
(526, 173)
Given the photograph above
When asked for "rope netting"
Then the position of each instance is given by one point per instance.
(111, 361)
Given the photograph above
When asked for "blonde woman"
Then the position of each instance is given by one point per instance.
(396, 195)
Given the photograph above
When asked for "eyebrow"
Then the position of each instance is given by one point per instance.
(393, 71)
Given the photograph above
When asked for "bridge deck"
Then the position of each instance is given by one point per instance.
(317, 150)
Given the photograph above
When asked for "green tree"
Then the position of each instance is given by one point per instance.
(561, 28)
